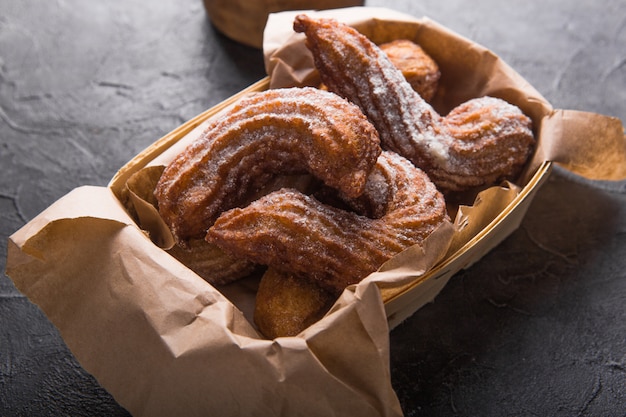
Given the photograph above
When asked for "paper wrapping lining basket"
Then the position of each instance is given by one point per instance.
(400, 301)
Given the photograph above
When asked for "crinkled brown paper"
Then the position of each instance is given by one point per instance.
(165, 342)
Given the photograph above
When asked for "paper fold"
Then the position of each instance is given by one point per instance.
(588, 144)
(165, 342)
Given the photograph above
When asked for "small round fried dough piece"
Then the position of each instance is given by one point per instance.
(286, 305)
(419, 69)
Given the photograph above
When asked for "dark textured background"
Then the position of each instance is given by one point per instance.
(538, 327)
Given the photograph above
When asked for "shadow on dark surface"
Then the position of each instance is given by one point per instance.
(45, 378)
(246, 61)
(529, 298)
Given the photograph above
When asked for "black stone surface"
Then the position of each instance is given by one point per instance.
(536, 328)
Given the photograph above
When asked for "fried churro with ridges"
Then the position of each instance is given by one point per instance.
(479, 143)
(211, 263)
(282, 131)
(296, 233)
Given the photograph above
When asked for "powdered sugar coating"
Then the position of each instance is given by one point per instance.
(296, 233)
(277, 131)
(447, 148)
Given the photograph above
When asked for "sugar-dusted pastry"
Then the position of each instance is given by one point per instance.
(278, 131)
(298, 234)
(478, 143)
(211, 263)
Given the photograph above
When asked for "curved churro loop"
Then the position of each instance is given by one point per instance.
(277, 131)
(479, 143)
(296, 233)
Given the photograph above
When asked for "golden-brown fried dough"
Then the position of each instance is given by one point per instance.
(418, 68)
(278, 131)
(298, 234)
(479, 143)
(211, 263)
(286, 305)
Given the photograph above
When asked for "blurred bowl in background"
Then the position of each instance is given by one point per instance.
(244, 20)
